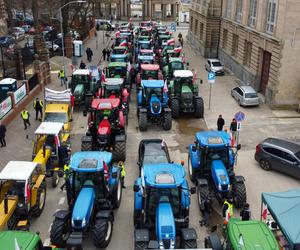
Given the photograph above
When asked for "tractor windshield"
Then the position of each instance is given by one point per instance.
(150, 74)
(119, 51)
(79, 79)
(56, 117)
(153, 92)
(154, 153)
(117, 72)
(100, 114)
(145, 46)
(116, 59)
(159, 195)
(177, 65)
(219, 153)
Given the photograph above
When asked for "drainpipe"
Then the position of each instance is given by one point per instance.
(220, 28)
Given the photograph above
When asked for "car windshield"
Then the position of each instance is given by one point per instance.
(220, 153)
(147, 74)
(117, 72)
(250, 95)
(216, 64)
(177, 65)
(56, 117)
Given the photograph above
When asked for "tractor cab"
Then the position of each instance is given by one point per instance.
(143, 45)
(142, 59)
(120, 50)
(121, 41)
(175, 64)
(175, 53)
(22, 194)
(116, 70)
(162, 40)
(149, 71)
(145, 24)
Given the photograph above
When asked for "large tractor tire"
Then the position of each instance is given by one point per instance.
(102, 232)
(40, 200)
(117, 195)
(54, 179)
(119, 153)
(189, 244)
(59, 232)
(167, 123)
(213, 242)
(86, 146)
(192, 173)
(202, 194)
(239, 194)
(140, 245)
(13, 221)
(199, 108)
(143, 121)
(175, 108)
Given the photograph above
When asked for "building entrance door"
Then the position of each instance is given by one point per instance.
(265, 71)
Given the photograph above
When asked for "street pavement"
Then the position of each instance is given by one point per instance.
(260, 123)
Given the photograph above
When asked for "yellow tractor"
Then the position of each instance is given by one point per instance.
(51, 149)
(58, 107)
(22, 194)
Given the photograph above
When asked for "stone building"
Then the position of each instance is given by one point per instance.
(259, 40)
(3, 17)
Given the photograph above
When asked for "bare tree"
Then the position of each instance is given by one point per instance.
(8, 7)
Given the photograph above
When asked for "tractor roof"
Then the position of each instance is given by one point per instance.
(213, 138)
(145, 42)
(150, 67)
(18, 170)
(146, 51)
(81, 72)
(120, 47)
(125, 33)
(254, 234)
(163, 36)
(117, 64)
(113, 81)
(175, 59)
(6, 81)
(24, 239)
(90, 161)
(152, 83)
(57, 108)
(145, 57)
(118, 56)
(163, 175)
(105, 103)
(49, 128)
(183, 73)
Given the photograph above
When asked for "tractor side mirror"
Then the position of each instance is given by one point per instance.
(194, 148)
(239, 146)
(193, 190)
(153, 244)
(114, 175)
(136, 188)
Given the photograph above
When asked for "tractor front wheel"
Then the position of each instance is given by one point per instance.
(175, 108)
(86, 146)
(203, 194)
(140, 245)
(239, 194)
(199, 107)
(12, 222)
(54, 179)
(102, 232)
(189, 244)
(167, 123)
(119, 153)
(213, 242)
(117, 195)
(143, 121)
(59, 232)
(40, 201)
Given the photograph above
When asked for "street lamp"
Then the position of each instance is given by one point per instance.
(62, 32)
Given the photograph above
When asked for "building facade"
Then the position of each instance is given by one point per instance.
(259, 41)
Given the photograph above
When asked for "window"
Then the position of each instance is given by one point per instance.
(235, 42)
(274, 151)
(271, 16)
(239, 9)
(288, 157)
(228, 9)
(247, 53)
(225, 38)
(252, 13)
(201, 31)
(196, 27)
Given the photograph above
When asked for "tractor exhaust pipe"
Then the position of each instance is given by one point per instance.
(5, 204)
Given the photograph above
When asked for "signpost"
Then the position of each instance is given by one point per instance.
(173, 27)
(211, 80)
(239, 117)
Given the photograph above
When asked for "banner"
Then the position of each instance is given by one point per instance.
(20, 93)
(57, 96)
(5, 107)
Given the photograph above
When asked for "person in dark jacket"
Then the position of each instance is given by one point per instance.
(89, 54)
(82, 65)
(246, 212)
(220, 123)
(104, 54)
(38, 106)
(2, 135)
(108, 54)
(233, 128)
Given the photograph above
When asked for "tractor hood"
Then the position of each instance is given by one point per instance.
(186, 89)
(79, 90)
(165, 225)
(83, 207)
(155, 105)
(220, 176)
(104, 127)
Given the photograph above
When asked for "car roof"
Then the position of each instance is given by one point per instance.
(213, 60)
(152, 83)
(81, 72)
(248, 89)
(113, 81)
(150, 67)
(49, 128)
(183, 73)
(18, 170)
(7, 81)
(213, 138)
(93, 159)
(105, 103)
(163, 175)
(291, 146)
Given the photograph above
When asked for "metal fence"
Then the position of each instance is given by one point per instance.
(33, 81)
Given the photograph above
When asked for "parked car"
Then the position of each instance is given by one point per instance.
(245, 96)
(215, 66)
(5, 41)
(280, 155)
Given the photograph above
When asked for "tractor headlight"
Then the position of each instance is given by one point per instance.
(20, 205)
(83, 223)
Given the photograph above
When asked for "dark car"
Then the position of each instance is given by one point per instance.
(280, 155)
(5, 41)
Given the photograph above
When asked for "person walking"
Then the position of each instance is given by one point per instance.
(246, 212)
(233, 128)
(108, 54)
(123, 173)
(61, 76)
(2, 135)
(38, 106)
(89, 54)
(179, 37)
(177, 20)
(25, 117)
(220, 123)
(227, 210)
(82, 65)
(181, 42)
(104, 54)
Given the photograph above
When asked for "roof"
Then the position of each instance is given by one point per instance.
(17, 170)
(143, 41)
(81, 72)
(213, 138)
(152, 83)
(117, 64)
(183, 73)
(175, 59)
(248, 89)
(145, 57)
(49, 128)
(214, 60)
(150, 67)
(118, 56)
(163, 175)
(291, 146)
(57, 108)
(284, 208)
(90, 161)
(8, 81)
(113, 81)
(105, 103)
(24, 239)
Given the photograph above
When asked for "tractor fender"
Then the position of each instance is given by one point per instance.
(62, 215)
(139, 97)
(202, 182)
(239, 179)
(141, 235)
(188, 233)
(138, 196)
(113, 182)
(105, 214)
(194, 157)
(120, 138)
(185, 197)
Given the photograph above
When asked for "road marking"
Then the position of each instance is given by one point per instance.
(47, 242)
(61, 200)
(50, 228)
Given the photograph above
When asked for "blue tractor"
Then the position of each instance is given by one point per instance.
(161, 208)
(94, 189)
(211, 166)
(152, 105)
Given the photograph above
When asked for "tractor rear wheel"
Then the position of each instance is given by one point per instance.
(213, 242)
(54, 179)
(203, 194)
(239, 194)
(175, 108)
(199, 107)
(119, 153)
(140, 245)
(117, 195)
(86, 146)
(59, 232)
(143, 121)
(40, 200)
(102, 232)
(167, 123)
(189, 244)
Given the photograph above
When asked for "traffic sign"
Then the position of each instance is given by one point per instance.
(211, 77)
(240, 116)
(173, 27)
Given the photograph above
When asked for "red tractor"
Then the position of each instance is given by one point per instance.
(106, 128)
(148, 72)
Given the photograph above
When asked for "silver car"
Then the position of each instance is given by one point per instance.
(215, 66)
(245, 96)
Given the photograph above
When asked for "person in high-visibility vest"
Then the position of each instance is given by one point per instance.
(38, 106)
(123, 173)
(228, 208)
(25, 117)
(61, 75)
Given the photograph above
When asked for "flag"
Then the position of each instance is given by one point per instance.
(17, 247)
(165, 89)
(171, 42)
(194, 76)
(123, 44)
(118, 33)
(106, 172)
(103, 77)
(264, 211)
(27, 192)
(178, 49)
(227, 215)
(57, 142)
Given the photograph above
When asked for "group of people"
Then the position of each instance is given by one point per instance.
(233, 125)
(106, 54)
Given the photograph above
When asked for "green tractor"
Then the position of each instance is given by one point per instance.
(184, 94)
(175, 63)
(118, 70)
(240, 235)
